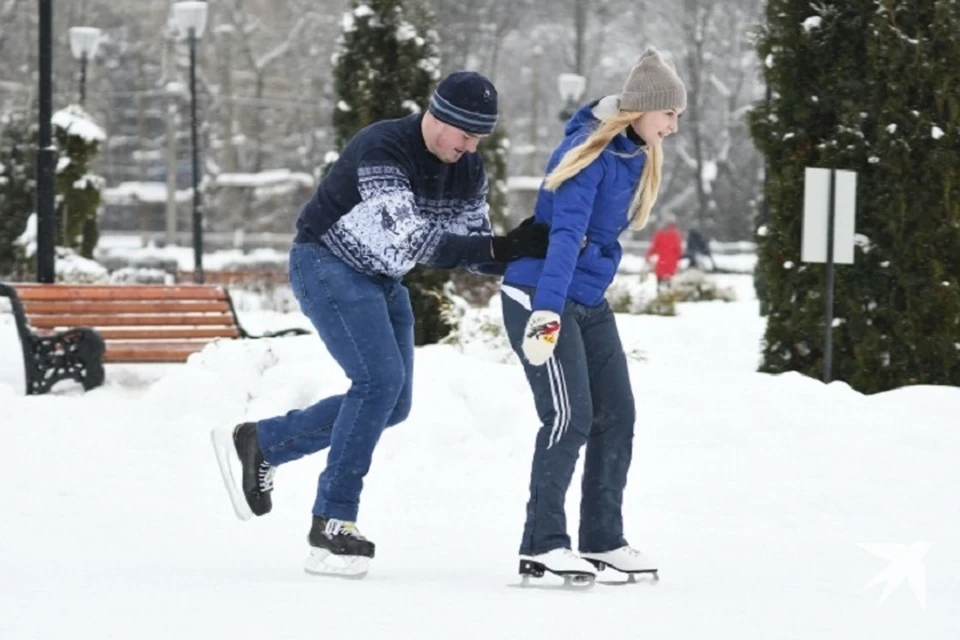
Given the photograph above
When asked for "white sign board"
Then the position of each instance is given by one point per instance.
(816, 203)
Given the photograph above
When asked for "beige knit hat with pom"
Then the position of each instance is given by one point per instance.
(653, 85)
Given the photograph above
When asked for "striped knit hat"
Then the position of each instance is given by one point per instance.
(466, 100)
(653, 85)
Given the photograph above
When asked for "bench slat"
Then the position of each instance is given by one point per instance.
(151, 351)
(31, 292)
(119, 320)
(167, 334)
(88, 307)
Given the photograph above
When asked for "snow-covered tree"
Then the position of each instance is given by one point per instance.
(263, 48)
(385, 67)
(854, 107)
(713, 172)
(78, 190)
(911, 212)
(17, 187)
(473, 34)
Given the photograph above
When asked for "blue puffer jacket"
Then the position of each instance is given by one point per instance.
(586, 215)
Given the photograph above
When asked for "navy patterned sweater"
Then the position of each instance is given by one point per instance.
(388, 204)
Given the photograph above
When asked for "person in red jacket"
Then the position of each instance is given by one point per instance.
(667, 246)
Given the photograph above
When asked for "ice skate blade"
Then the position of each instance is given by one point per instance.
(223, 448)
(648, 575)
(570, 583)
(321, 562)
(532, 577)
(634, 577)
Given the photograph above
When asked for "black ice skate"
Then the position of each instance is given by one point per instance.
(251, 496)
(337, 548)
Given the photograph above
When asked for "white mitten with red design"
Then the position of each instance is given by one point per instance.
(540, 336)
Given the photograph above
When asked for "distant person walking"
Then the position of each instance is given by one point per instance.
(665, 250)
(698, 252)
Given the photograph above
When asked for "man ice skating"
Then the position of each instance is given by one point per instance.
(403, 192)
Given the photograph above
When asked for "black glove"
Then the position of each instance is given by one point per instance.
(527, 240)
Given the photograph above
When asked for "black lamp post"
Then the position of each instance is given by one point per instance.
(191, 19)
(571, 87)
(46, 155)
(83, 45)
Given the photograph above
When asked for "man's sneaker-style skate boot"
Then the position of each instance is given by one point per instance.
(575, 571)
(337, 548)
(626, 560)
(251, 496)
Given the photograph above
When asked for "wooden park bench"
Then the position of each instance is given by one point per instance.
(68, 331)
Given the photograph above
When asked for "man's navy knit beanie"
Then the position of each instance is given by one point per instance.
(467, 101)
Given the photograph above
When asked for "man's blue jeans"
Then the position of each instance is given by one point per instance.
(366, 323)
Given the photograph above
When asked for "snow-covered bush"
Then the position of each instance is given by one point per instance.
(630, 294)
(476, 328)
(131, 275)
(17, 188)
(78, 189)
(73, 268)
(694, 286)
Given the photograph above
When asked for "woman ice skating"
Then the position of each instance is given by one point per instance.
(602, 178)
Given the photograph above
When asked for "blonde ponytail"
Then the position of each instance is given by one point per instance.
(590, 149)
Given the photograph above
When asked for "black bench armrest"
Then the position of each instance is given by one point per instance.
(75, 354)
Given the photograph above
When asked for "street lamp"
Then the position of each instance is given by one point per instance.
(191, 18)
(83, 44)
(571, 86)
(46, 155)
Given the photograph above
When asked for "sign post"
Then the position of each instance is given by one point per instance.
(829, 208)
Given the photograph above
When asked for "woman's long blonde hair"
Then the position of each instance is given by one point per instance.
(587, 151)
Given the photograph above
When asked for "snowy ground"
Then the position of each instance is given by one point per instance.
(762, 497)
